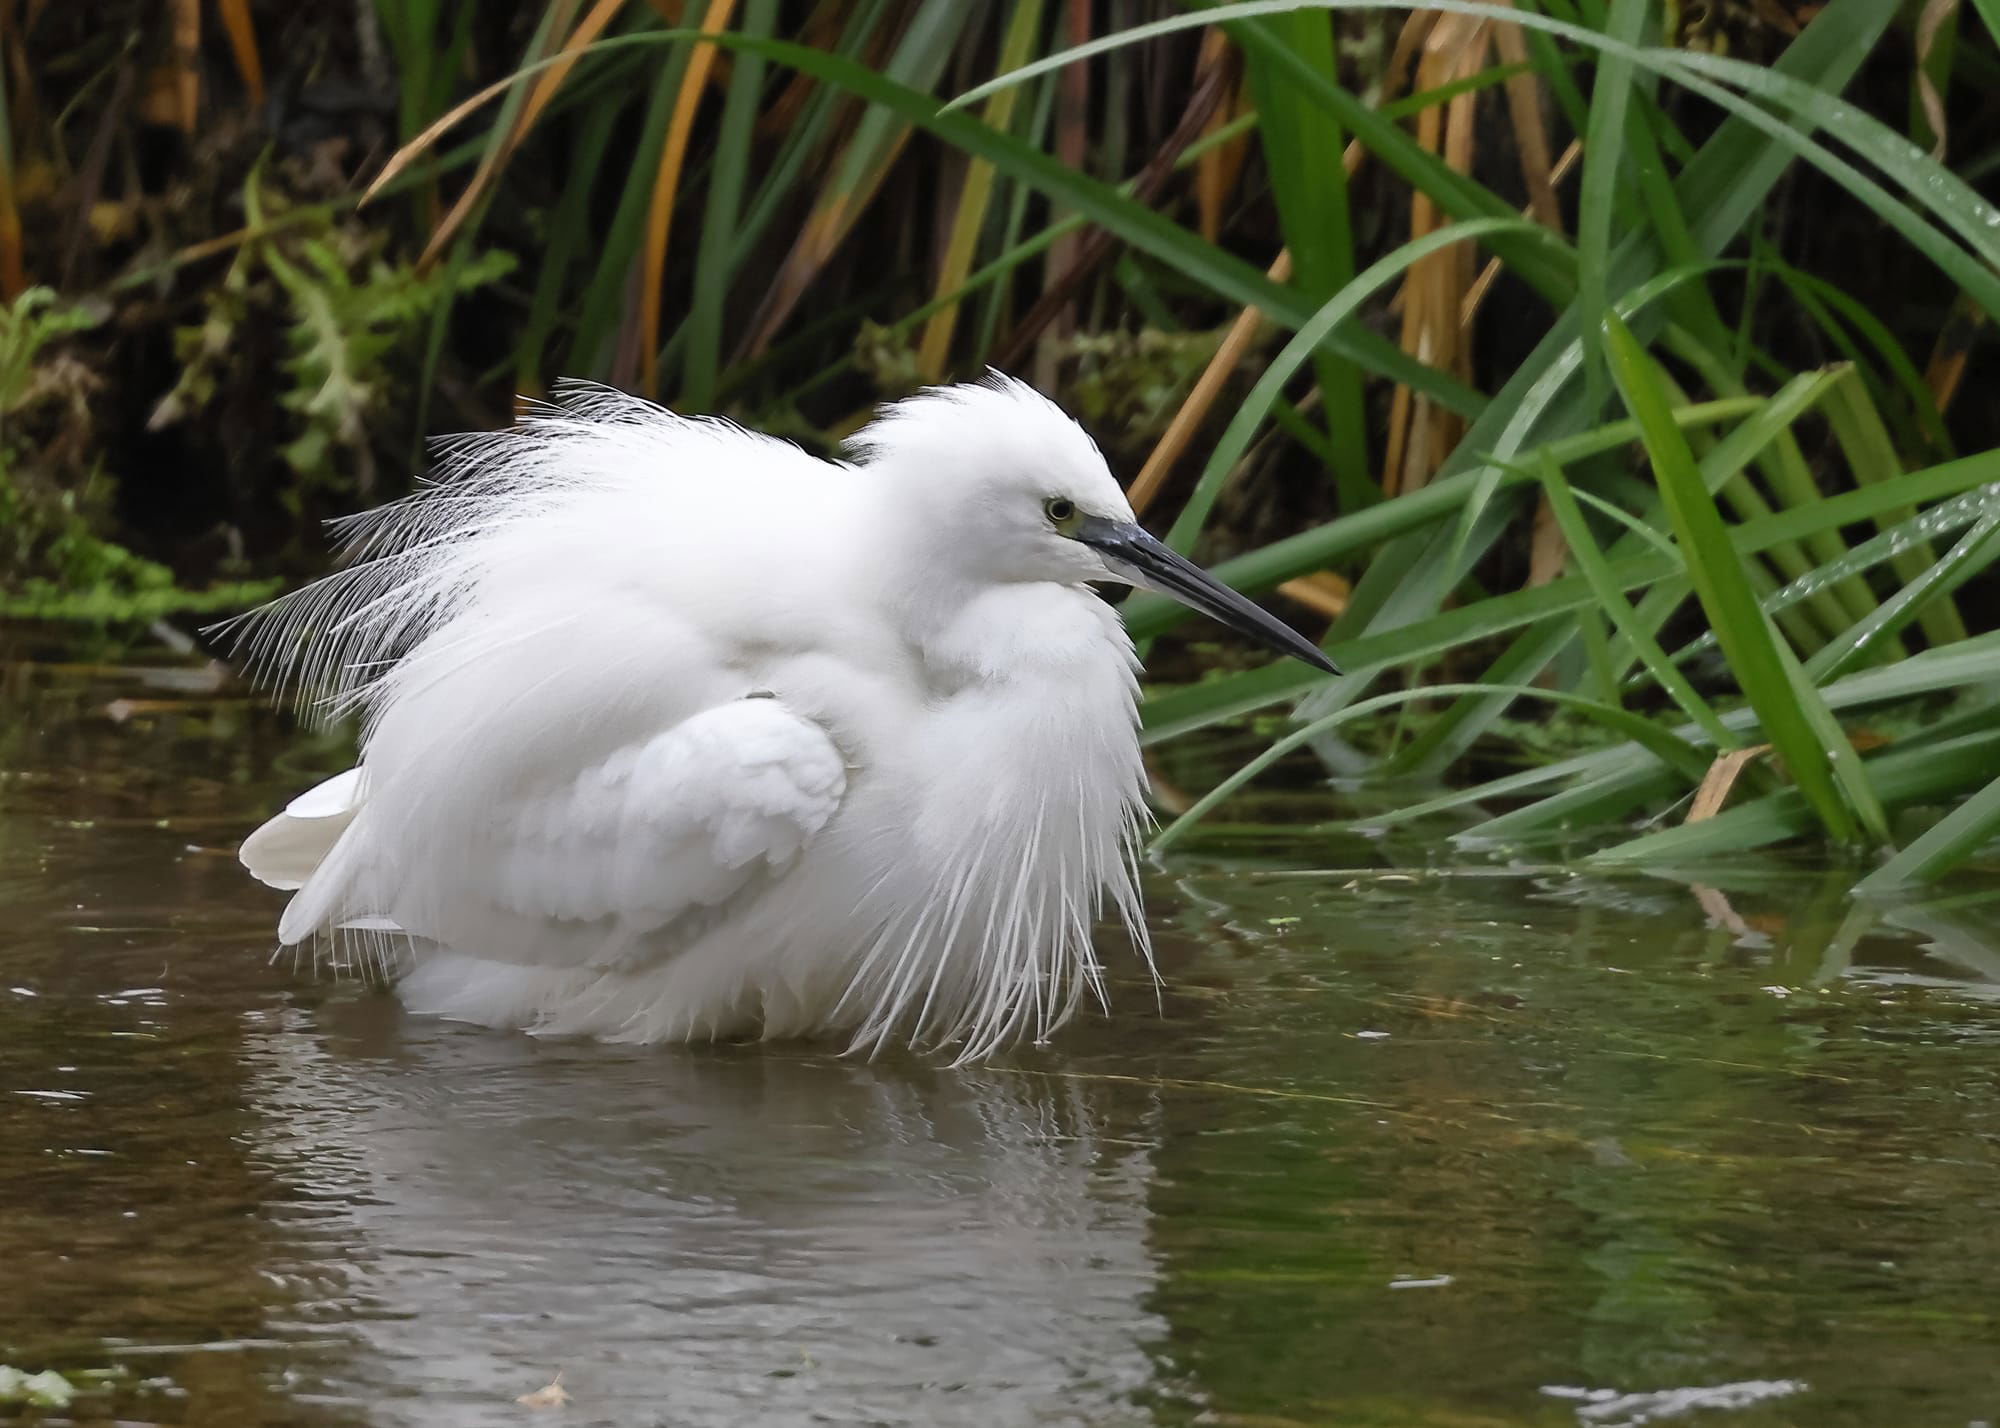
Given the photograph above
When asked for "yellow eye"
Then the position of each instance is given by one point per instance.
(1060, 510)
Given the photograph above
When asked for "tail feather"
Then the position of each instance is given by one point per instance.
(325, 900)
(288, 850)
(307, 850)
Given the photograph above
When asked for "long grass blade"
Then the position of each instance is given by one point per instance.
(1871, 456)
(13, 274)
(1302, 147)
(975, 193)
(1941, 847)
(187, 63)
(666, 188)
(701, 368)
(1597, 200)
(568, 238)
(1611, 600)
(1764, 668)
(917, 65)
(1930, 586)
(242, 32)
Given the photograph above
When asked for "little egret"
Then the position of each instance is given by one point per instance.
(671, 731)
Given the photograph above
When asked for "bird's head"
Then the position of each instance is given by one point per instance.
(998, 479)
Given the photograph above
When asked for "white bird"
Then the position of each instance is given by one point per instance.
(674, 732)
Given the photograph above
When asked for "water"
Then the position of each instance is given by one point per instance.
(1494, 1146)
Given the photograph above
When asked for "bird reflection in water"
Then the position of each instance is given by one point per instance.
(708, 1237)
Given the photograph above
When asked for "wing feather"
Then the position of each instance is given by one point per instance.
(625, 862)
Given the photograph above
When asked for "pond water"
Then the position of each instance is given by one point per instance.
(1486, 1145)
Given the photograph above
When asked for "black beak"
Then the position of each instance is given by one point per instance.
(1152, 565)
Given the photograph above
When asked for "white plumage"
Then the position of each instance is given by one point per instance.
(671, 731)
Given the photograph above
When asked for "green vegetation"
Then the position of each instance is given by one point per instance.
(347, 312)
(58, 567)
(1587, 364)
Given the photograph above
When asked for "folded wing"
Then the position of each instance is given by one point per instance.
(623, 861)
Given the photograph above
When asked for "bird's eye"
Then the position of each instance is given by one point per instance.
(1060, 509)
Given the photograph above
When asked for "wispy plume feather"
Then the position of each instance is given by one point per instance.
(409, 566)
